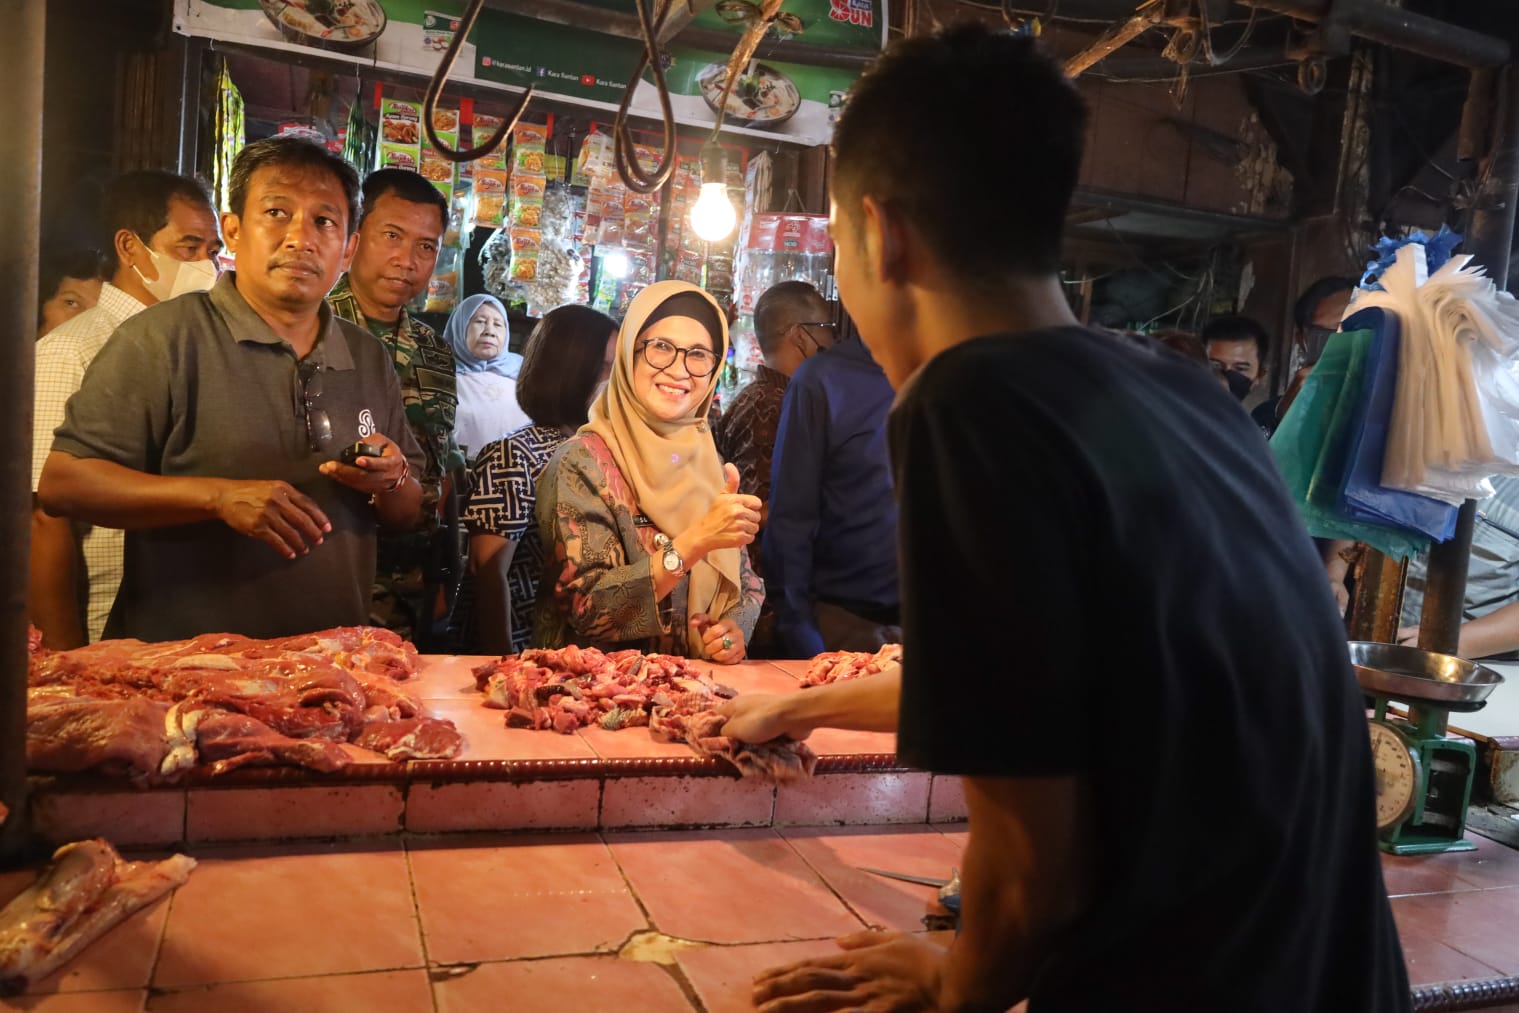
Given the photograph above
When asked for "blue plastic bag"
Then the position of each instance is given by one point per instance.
(1363, 497)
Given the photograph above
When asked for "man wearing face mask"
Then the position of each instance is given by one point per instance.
(402, 227)
(1316, 315)
(162, 236)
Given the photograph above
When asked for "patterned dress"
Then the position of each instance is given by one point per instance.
(598, 581)
(503, 487)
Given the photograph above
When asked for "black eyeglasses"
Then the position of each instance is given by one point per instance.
(661, 354)
(318, 425)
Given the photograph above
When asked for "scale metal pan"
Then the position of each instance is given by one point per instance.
(1408, 673)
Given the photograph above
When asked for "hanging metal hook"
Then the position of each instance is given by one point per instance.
(435, 92)
(624, 156)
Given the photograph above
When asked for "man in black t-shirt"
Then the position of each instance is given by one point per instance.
(1082, 522)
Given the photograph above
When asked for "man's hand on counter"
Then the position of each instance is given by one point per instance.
(762, 717)
(862, 705)
(878, 972)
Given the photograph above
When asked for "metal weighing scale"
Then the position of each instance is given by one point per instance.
(1424, 779)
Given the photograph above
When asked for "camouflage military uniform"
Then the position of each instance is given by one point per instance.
(425, 366)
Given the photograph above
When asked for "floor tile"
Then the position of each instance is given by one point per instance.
(129, 1001)
(122, 958)
(264, 912)
(834, 799)
(124, 818)
(957, 833)
(500, 898)
(273, 814)
(1482, 924)
(1491, 865)
(445, 677)
(486, 736)
(503, 805)
(723, 976)
(838, 856)
(382, 992)
(693, 884)
(1430, 961)
(659, 802)
(592, 984)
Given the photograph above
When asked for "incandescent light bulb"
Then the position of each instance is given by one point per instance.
(713, 216)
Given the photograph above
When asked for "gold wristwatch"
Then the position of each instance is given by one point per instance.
(671, 561)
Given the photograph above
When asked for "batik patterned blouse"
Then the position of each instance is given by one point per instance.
(598, 582)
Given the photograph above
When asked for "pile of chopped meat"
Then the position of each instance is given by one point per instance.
(576, 687)
(86, 891)
(838, 666)
(223, 701)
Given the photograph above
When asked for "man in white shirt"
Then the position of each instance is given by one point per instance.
(163, 242)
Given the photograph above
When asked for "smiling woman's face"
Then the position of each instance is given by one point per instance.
(671, 393)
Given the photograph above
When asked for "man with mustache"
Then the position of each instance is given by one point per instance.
(400, 231)
(210, 427)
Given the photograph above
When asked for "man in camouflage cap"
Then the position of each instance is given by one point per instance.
(403, 222)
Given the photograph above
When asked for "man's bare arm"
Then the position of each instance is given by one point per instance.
(866, 705)
(53, 585)
(1028, 875)
(105, 493)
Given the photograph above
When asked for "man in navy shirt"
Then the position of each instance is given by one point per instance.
(830, 546)
(1168, 812)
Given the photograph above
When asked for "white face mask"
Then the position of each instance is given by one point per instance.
(176, 277)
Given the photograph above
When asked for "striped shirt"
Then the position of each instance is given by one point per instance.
(63, 355)
(1492, 576)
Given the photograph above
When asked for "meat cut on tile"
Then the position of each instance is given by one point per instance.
(86, 890)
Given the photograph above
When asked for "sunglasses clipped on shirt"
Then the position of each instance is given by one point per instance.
(828, 325)
(318, 424)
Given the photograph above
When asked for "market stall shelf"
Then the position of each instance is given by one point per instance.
(508, 780)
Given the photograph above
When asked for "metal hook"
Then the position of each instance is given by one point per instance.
(623, 154)
(435, 92)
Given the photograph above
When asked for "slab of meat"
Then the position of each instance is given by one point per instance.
(84, 893)
(577, 687)
(226, 741)
(116, 736)
(323, 687)
(412, 739)
(700, 727)
(837, 666)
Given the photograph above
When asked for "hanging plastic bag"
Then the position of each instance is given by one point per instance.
(1305, 444)
(1363, 497)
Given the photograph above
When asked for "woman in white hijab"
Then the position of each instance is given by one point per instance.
(485, 374)
(646, 527)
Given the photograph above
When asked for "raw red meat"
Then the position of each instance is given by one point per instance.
(115, 736)
(324, 688)
(695, 723)
(838, 666)
(81, 895)
(411, 738)
(226, 741)
(577, 687)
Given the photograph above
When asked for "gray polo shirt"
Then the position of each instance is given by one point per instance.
(200, 386)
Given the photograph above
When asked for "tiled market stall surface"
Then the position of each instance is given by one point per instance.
(510, 779)
(425, 924)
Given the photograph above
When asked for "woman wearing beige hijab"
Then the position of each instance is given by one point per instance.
(645, 522)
